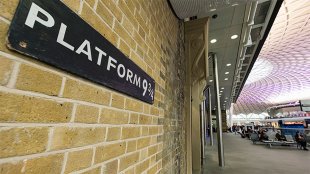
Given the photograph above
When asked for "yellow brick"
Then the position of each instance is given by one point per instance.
(140, 41)
(143, 142)
(114, 133)
(144, 119)
(11, 168)
(124, 48)
(68, 137)
(48, 165)
(74, 5)
(143, 154)
(130, 132)
(81, 91)
(23, 141)
(105, 14)
(128, 160)
(141, 21)
(153, 140)
(145, 131)
(128, 26)
(78, 160)
(110, 151)
(7, 8)
(111, 167)
(152, 150)
(130, 171)
(154, 111)
(19, 108)
(152, 170)
(142, 32)
(114, 9)
(5, 70)
(153, 130)
(90, 2)
(155, 120)
(146, 108)
(131, 146)
(134, 118)
(91, 18)
(128, 12)
(118, 101)
(133, 105)
(118, 28)
(153, 160)
(142, 166)
(4, 27)
(34, 79)
(109, 116)
(138, 60)
(86, 114)
(93, 171)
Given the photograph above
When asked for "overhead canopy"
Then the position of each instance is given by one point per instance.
(281, 73)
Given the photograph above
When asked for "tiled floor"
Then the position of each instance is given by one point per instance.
(243, 157)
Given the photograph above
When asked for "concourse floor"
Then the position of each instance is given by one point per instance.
(243, 157)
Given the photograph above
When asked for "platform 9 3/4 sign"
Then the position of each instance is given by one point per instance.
(49, 31)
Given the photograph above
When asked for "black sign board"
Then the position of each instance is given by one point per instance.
(49, 31)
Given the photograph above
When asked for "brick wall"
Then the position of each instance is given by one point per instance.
(55, 122)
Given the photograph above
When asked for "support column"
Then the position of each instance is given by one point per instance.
(210, 116)
(218, 112)
(202, 129)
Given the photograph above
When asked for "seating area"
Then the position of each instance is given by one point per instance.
(268, 137)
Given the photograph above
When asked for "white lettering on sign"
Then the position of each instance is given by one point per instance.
(33, 17)
(61, 36)
(86, 48)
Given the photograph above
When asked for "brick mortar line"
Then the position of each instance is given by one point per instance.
(96, 4)
(58, 99)
(62, 88)
(80, 8)
(73, 113)
(4, 126)
(14, 74)
(64, 163)
(96, 145)
(50, 139)
(5, 20)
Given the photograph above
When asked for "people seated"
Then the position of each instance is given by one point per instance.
(263, 136)
(300, 139)
(280, 137)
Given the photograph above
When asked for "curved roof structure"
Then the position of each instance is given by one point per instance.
(281, 73)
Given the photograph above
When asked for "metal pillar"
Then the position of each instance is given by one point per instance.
(202, 130)
(210, 116)
(205, 122)
(218, 112)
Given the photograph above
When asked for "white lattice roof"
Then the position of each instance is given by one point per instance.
(282, 71)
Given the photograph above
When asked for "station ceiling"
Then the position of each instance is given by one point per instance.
(281, 73)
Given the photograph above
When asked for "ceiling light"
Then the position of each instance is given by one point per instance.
(228, 64)
(226, 72)
(222, 87)
(210, 80)
(234, 36)
(213, 9)
(221, 91)
(226, 79)
(213, 40)
(235, 4)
